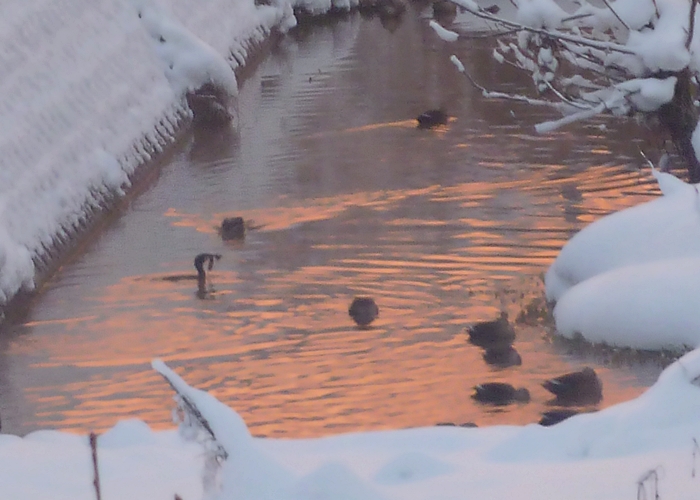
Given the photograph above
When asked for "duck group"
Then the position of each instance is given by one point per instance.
(573, 389)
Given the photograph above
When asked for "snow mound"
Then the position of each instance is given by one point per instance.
(630, 278)
(667, 227)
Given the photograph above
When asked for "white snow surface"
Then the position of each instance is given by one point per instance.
(598, 455)
(443, 33)
(89, 91)
(631, 278)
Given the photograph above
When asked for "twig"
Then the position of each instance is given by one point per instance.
(194, 411)
(656, 9)
(585, 114)
(558, 36)
(696, 451)
(607, 4)
(654, 168)
(500, 95)
(96, 480)
(576, 16)
(691, 27)
(564, 98)
(653, 475)
(494, 34)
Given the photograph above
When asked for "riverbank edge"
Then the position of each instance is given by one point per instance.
(72, 239)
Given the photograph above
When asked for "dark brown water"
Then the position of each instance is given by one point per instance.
(442, 228)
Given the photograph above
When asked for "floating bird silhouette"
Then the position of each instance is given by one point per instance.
(363, 311)
(553, 417)
(199, 261)
(232, 228)
(502, 357)
(499, 393)
(576, 388)
(432, 118)
(497, 333)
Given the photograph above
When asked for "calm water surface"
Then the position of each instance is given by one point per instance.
(442, 228)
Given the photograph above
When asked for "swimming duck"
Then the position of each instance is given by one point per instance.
(432, 118)
(499, 393)
(363, 311)
(492, 334)
(199, 261)
(553, 417)
(576, 388)
(232, 228)
(502, 357)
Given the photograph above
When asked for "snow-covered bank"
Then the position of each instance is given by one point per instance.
(601, 455)
(90, 91)
(630, 279)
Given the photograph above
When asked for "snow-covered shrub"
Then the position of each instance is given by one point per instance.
(622, 57)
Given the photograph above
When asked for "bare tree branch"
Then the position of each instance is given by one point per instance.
(691, 24)
(564, 98)
(607, 4)
(500, 95)
(576, 16)
(551, 34)
(494, 34)
(585, 114)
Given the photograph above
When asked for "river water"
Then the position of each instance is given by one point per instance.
(442, 227)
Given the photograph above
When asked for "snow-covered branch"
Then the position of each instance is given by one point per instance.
(624, 57)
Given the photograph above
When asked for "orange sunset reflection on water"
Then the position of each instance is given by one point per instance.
(346, 197)
(273, 338)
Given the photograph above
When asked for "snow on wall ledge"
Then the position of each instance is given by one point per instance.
(89, 91)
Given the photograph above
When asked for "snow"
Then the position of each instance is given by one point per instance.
(89, 92)
(598, 455)
(630, 279)
(540, 13)
(444, 34)
(664, 228)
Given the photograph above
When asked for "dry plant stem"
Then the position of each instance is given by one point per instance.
(501, 95)
(656, 9)
(650, 475)
(607, 4)
(96, 480)
(477, 36)
(691, 24)
(193, 410)
(653, 168)
(564, 98)
(558, 36)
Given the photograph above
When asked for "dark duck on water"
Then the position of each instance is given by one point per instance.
(363, 311)
(495, 334)
(199, 262)
(499, 393)
(432, 118)
(576, 388)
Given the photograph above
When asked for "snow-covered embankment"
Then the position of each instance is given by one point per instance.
(90, 90)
